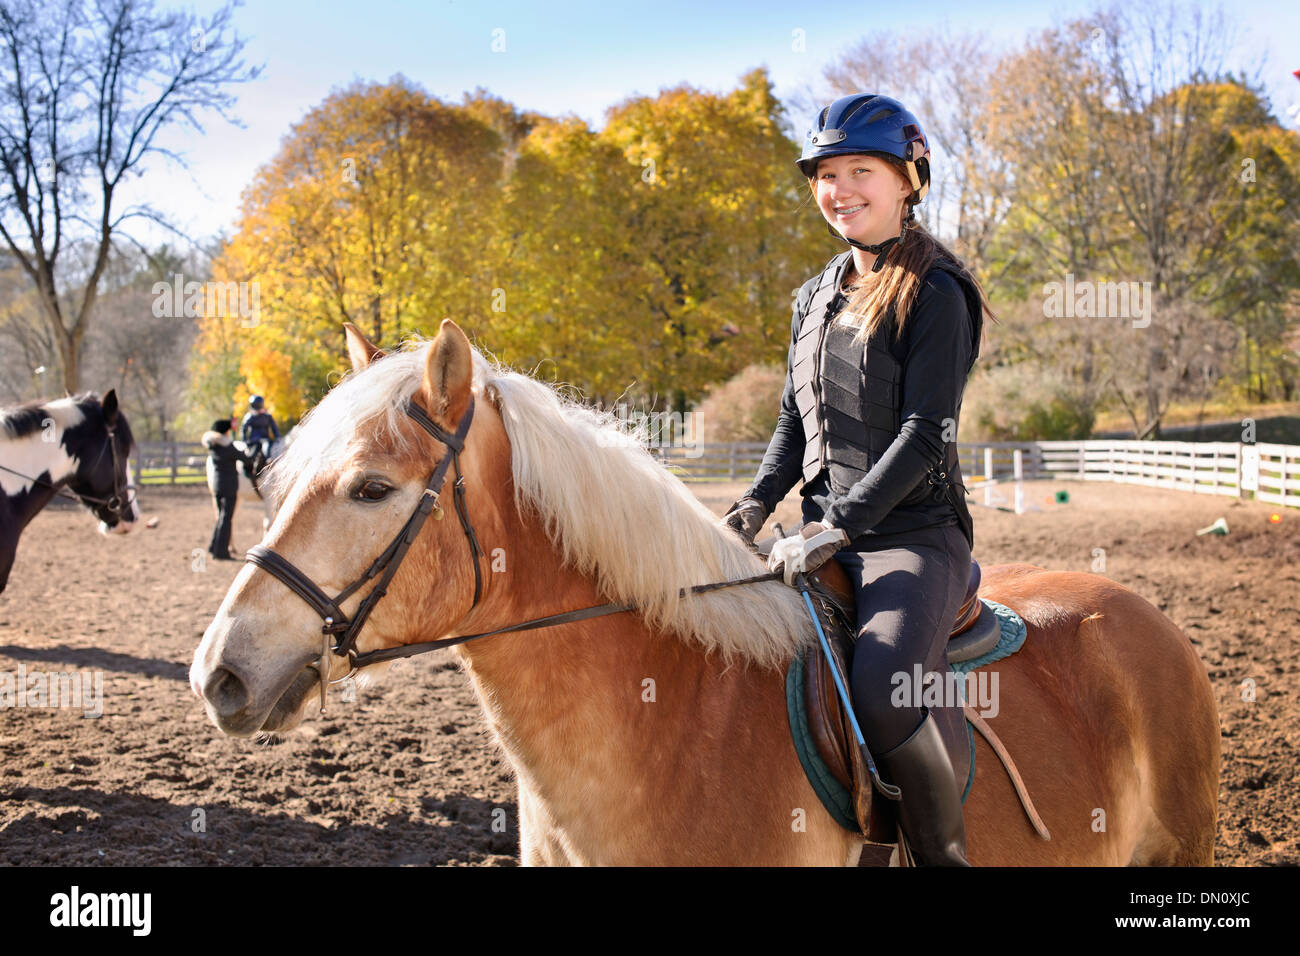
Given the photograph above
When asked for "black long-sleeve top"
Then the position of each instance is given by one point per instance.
(225, 460)
(935, 351)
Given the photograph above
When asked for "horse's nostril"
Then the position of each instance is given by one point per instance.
(225, 692)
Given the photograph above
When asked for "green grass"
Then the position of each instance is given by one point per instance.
(163, 476)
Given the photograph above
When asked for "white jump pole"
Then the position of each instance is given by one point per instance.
(1017, 458)
(988, 477)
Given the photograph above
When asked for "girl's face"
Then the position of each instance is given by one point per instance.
(861, 196)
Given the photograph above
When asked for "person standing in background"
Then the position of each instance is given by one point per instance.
(223, 479)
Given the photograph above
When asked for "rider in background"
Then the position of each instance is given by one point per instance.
(258, 427)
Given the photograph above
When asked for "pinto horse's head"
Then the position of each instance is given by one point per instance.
(101, 444)
(348, 485)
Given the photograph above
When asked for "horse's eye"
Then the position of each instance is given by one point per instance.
(372, 490)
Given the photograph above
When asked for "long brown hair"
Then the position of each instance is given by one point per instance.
(891, 292)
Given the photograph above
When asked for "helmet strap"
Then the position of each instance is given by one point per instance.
(912, 175)
(879, 249)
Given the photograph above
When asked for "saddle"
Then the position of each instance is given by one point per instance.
(975, 632)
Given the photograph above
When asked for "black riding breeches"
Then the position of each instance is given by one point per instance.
(220, 543)
(909, 588)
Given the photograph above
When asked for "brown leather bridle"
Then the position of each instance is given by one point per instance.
(385, 566)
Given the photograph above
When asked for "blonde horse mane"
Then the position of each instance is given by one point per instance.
(609, 508)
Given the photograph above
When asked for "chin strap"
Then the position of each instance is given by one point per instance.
(880, 248)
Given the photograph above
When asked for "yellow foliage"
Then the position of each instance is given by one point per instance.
(609, 260)
(267, 372)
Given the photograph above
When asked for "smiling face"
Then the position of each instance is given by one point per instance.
(861, 196)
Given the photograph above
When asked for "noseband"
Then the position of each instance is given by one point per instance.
(337, 625)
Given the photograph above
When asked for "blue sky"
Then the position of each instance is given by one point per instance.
(569, 57)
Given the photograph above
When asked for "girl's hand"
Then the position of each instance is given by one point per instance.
(746, 518)
(806, 551)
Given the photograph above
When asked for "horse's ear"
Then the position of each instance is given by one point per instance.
(447, 375)
(360, 349)
(110, 407)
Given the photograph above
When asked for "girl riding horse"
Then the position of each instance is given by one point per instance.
(881, 344)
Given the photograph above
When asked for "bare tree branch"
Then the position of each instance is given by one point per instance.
(89, 85)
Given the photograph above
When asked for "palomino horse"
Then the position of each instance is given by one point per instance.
(660, 736)
(78, 442)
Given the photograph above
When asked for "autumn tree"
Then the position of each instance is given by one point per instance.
(725, 231)
(1124, 168)
(375, 211)
(643, 261)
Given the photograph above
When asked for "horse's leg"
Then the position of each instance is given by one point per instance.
(530, 853)
(1034, 716)
(706, 774)
(538, 845)
(1177, 734)
(8, 550)
(1159, 729)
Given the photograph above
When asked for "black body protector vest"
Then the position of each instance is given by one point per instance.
(850, 398)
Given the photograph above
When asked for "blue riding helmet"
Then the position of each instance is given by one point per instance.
(870, 123)
(256, 402)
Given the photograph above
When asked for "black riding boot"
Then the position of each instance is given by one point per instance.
(930, 809)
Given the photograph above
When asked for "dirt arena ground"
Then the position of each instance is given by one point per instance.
(407, 773)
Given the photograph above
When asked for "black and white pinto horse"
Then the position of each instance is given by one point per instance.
(75, 447)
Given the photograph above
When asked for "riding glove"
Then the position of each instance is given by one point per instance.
(806, 551)
(746, 518)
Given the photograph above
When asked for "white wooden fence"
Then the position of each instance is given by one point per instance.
(1267, 472)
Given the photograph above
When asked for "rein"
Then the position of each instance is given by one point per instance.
(598, 610)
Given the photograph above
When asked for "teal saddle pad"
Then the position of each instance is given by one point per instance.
(834, 797)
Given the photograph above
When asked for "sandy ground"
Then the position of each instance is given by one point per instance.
(407, 774)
